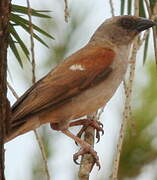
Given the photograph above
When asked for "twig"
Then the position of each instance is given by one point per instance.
(66, 11)
(128, 92)
(32, 42)
(152, 16)
(127, 111)
(127, 106)
(41, 145)
(112, 7)
(155, 43)
(39, 140)
(12, 90)
(137, 9)
(87, 160)
(148, 7)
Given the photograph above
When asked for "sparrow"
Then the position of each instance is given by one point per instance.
(81, 84)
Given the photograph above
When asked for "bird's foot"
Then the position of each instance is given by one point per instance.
(98, 126)
(85, 148)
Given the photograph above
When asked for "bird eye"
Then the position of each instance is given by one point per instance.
(127, 23)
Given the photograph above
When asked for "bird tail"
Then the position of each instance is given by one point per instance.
(21, 126)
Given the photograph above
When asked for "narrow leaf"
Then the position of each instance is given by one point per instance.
(18, 39)
(152, 3)
(26, 28)
(142, 12)
(24, 10)
(14, 50)
(129, 6)
(122, 6)
(19, 20)
(145, 49)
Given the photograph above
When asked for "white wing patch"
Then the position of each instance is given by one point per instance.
(77, 67)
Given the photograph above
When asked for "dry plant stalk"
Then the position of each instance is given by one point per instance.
(32, 42)
(13, 91)
(38, 138)
(128, 90)
(111, 7)
(127, 105)
(87, 160)
(127, 110)
(66, 11)
(152, 16)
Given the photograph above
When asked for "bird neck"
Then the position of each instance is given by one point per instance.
(97, 40)
(111, 36)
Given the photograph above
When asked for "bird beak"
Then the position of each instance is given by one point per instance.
(144, 24)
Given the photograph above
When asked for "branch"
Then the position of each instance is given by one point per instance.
(128, 92)
(127, 110)
(128, 88)
(87, 160)
(38, 138)
(4, 105)
(111, 7)
(32, 42)
(152, 16)
(66, 11)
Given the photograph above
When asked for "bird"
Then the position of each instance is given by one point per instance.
(80, 85)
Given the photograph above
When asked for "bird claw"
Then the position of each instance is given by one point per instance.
(98, 126)
(79, 134)
(87, 150)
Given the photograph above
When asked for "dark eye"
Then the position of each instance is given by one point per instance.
(127, 23)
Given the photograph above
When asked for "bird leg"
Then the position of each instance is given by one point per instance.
(85, 147)
(98, 126)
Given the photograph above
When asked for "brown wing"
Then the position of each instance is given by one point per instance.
(77, 72)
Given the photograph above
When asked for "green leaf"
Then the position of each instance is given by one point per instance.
(18, 39)
(14, 50)
(152, 3)
(142, 12)
(26, 28)
(19, 20)
(129, 6)
(24, 10)
(16, 19)
(145, 49)
(122, 6)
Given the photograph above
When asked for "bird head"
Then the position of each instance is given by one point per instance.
(121, 30)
